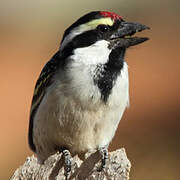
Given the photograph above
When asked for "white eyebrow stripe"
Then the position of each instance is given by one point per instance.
(85, 27)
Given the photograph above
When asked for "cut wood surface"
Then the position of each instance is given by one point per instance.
(117, 167)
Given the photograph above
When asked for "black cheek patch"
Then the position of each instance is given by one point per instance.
(82, 40)
(85, 39)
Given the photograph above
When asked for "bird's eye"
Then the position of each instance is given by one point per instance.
(103, 28)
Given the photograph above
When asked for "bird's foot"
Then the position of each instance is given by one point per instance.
(67, 163)
(104, 156)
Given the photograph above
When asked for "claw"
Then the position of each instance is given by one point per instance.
(104, 156)
(67, 163)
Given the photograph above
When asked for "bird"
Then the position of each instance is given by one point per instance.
(83, 90)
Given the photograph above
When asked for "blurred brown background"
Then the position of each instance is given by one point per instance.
(30, 33)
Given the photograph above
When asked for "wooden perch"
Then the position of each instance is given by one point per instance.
(118, 167)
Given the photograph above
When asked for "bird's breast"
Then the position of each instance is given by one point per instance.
(73, 114)
(85, 121)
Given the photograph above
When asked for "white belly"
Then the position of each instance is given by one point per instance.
(62, 120)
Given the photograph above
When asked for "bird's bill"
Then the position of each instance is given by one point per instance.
(123, 36)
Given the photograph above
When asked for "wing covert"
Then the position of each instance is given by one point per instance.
(45, 80)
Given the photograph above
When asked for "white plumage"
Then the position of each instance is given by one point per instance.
(72, 113)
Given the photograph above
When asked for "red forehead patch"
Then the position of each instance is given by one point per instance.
(112, 15)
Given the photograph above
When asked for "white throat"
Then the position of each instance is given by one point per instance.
(97, 53)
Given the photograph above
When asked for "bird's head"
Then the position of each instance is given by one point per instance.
(100, 26)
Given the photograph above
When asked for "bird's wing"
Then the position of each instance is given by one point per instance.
(45, 80)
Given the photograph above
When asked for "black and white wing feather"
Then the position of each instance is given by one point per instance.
(45, 80)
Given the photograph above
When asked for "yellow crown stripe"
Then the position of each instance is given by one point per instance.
(94, 23)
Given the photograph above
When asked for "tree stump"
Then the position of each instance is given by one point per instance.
(117, 167)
